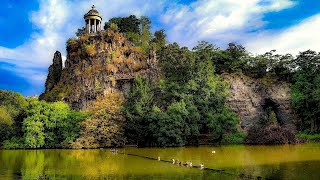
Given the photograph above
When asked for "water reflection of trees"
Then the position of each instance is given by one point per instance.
(32, 164)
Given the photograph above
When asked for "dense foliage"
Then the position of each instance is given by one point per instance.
(190, 100)
(105, 128)
(138, 31)
(29, 123)
(306, 90)
(12, 107)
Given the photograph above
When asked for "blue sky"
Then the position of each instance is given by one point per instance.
(31, 31)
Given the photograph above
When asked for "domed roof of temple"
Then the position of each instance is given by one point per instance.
(92, 12)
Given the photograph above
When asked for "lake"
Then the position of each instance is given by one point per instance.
(229, 162)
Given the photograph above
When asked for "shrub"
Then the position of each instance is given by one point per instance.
(138, 66)
(90, 49)
(85, 142)
(111, 68)
(113, 81)
(117, 36)
(114, 27)
(84, 38)
(235, 138)
(13, 143)
(309, 137)
(116, 54)
(72, 43)
(118, 60)
(129, 61)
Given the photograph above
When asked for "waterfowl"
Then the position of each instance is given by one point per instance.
(114, 150)
(43, 177)
(213, 151)
(176, 161)
(159, 158)
(187, 164)
(200, 166)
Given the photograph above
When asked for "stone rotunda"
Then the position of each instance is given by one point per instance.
(93, 21)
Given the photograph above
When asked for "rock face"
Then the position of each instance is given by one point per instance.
(98, 64)
(55, 71)
(252, 98)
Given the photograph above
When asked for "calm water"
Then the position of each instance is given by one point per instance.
(272, 162)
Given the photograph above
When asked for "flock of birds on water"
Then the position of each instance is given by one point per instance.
(175, 161)
(188, 163)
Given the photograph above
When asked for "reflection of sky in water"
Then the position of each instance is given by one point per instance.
(289, 162)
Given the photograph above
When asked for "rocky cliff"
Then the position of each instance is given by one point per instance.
(95, 65)
(254, 99)
(55, 71)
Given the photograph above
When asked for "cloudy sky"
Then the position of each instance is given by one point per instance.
(31, 31)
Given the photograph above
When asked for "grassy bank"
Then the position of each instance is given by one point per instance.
(309, 137)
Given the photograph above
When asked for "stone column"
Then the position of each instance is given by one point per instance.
(89, 30)
(87, 26)
(95, 26)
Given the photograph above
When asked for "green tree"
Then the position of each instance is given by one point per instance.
(50, 124)
(6, 122)
(233, 59)
(159, 39)
(125, 24)
(12, 107)
(106, 126)
(137, 108)
(170, 128)
(34, 136)
(145, 33)
(81, 31)
(14, 102)
(306, 90)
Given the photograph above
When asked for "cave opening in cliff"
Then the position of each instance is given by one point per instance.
(272, 112)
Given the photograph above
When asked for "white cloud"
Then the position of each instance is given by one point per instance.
(222, 21)
(39, 49)
(301, 37)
